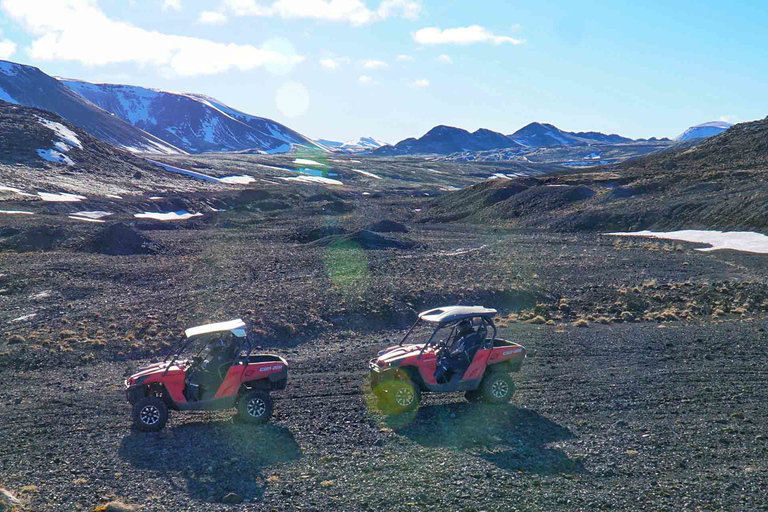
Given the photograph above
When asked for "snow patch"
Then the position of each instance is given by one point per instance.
(62, 132)
(304, 161)
(23, 318)
(745, 241)
(237, 180)
(60, 198)
(9, 68)
(93, 215)
(113, 196)
(16, 190)
(7, 97)
(178, 215)
(85, 219)
(313, 179)
(16, 212)
(366, 173)
(232, 180)
(51, 155)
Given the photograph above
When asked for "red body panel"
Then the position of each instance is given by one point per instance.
(174, 379)
(408, 355)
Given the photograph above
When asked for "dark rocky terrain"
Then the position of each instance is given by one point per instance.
(645, 387)
(718, 184)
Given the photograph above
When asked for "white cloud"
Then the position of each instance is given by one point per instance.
(348, 11)
(365, 79)
(375, 64)
(421, 83)
(212, 18)
(461, 35)
(169, 5)
(404, 58)
(65, 30)
(445, 59)
(329, 63)
(292, 99)
(7, 48)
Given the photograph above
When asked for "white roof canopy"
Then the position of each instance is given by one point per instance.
(236, 327)
(450, 313)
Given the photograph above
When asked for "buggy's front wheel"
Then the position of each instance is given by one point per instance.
(150, 414)
(397, 396)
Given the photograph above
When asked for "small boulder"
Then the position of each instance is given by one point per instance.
(232, 498)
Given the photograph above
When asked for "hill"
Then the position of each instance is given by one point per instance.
(193, 122)
(28, 86)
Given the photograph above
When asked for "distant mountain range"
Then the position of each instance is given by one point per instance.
(539, 143)
(28, 86)
(444, 140)
(193, 122)
(542, 135)
(359, 145)
(703, 131)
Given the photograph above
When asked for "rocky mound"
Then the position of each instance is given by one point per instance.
(314, 234)
(365, 239)
(120, 239)
(744, 145)
(40, 138)
(388, 226)
(38, 238)
(501, 200)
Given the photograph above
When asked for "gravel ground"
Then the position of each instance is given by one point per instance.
(662, 411)
(607, 417)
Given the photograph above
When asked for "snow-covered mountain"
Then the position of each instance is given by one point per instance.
(193, 122)
(363, 144)
(444, 140)
(703, 131)
(543, 135)
(28, 86)
(359, 145)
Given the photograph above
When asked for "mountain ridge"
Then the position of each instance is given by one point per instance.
(26, 85)
(195, 122)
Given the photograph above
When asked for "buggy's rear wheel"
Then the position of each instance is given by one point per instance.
(497, 388)
(255, 406)
(150, 414)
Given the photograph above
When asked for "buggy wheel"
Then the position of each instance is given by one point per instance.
(150, 414)
(497, 388)
(474, 396)
(255, 406)
(399, 396)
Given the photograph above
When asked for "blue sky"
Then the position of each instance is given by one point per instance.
(340, 69)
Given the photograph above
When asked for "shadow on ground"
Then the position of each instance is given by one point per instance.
(214, 458)
(509, 437)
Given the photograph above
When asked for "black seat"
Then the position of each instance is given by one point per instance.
(474, 342)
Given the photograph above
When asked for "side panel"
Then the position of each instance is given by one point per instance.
(514, 354)
(477, 368)
(173, 382)
(231, 382)
(256, 371)
(426, 365)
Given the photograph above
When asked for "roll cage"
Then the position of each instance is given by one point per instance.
(443, 318)
(204, 334)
